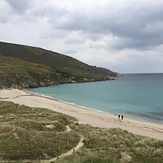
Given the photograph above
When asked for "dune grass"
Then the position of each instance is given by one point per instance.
(115, 146)
(34, 134)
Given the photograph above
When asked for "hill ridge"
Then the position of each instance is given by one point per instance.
(40, 67)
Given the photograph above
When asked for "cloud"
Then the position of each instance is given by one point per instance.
(120, 35)
(74, 38)
(19, 6)
(138, 23)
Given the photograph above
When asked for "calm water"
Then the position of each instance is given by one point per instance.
(137, 96)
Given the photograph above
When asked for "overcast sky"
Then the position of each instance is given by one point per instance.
(125, 36)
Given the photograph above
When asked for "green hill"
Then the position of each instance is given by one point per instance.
(26, 66)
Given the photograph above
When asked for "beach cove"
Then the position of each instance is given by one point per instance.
(86, 116)
(137, 96)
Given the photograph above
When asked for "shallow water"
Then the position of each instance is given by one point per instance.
(137, 96)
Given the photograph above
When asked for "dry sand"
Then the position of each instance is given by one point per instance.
(94, 118)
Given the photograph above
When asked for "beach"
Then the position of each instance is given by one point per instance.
(86, 116)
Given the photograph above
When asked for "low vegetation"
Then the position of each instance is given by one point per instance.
(33, 134)
(17, 73)
(115, 146)
(36, 134)
(25, 66)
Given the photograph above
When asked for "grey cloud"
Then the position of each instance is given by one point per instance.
(4, 10)
(3, 19)
(70, 51)
(19, 6)
(16, 11)
(74, 41)
(139, 44)
(107, 33)
(74, 38)
(54, 13)
(135, 64)
(137, 25)
(142, 25)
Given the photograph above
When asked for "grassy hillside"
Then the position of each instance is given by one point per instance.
(17, 73)
(36, 134)
(43, 63)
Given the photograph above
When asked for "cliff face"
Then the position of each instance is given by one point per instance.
(23, 66)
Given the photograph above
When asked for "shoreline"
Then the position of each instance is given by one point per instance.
(65, 102)
(88, 108)
(82, 114)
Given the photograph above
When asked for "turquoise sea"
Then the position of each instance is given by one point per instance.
(138, 96)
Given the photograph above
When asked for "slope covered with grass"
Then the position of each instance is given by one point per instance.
(17, 73)
(35, 135)
(115, 146)
(45, 67)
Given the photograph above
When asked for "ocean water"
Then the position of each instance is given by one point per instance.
(138, 96)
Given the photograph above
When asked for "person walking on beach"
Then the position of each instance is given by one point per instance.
(121, 117)
(118, 116)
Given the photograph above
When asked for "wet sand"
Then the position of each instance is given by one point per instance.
(86, 116)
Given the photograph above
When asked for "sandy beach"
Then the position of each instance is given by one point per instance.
(94, 118)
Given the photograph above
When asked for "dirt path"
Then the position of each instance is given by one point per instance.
(70, 152)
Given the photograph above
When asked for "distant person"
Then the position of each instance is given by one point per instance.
(121, 117)
(118, 116)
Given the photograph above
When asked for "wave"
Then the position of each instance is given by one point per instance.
(62, 101)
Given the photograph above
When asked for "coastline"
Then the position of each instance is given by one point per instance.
(86, 108)
(83, 115)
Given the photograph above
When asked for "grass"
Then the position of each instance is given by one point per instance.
(36, 134)
(25, 66)
(25, 133)
(115, 146)
(15, 72)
